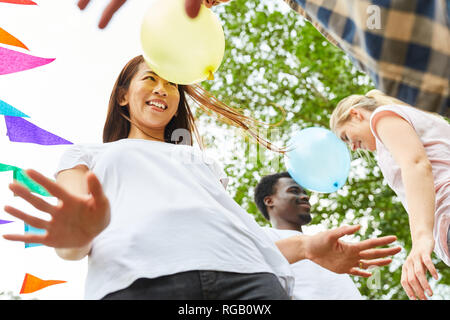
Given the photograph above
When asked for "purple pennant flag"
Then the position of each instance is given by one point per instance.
(4, 221)
(20, 130)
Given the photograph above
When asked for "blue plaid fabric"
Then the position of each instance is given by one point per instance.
(403, 45)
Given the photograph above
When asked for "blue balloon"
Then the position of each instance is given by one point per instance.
(318, 160)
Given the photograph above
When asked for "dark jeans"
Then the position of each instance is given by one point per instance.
(200, 285)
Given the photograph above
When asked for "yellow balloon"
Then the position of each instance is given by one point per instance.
(178, 48)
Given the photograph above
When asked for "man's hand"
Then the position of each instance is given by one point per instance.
(414, 270)
(327, 250)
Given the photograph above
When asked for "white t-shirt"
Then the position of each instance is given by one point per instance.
(313, 282)
(170, 213)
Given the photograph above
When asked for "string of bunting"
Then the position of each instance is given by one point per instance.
(21, 130)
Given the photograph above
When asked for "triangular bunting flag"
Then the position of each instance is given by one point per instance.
(33, 230)
(13, 61)
(26, 2)
(20, 176)
(9, 39)
(32, 283)
(8, 110)
(21, 130)
(5, 167)
(5, 221)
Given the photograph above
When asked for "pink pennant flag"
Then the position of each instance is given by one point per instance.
(20, 130)
(27, 2)
(13, 61)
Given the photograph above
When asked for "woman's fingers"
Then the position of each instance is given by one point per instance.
(35, 201)
(415, 284)
(30, 220)
(414, 280)
(430, 266)
(420, 274)
(406, 285)
(27, 238)
(95, 189)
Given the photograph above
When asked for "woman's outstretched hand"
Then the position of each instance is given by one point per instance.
(75, 220)
(327, 250)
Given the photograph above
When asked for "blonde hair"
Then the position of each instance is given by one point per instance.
(226, 114)
(370, 101)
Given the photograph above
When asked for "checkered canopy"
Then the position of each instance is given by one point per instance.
(403, 45)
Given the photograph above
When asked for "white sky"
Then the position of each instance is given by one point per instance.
(68, 97)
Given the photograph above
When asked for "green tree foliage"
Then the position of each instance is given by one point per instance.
(275, 59)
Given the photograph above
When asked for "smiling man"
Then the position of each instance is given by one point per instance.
(286, 205)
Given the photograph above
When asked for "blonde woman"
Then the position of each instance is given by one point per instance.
(413, 153)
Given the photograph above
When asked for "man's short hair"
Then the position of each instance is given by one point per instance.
(266, 187)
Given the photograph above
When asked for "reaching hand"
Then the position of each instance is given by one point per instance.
(75, 220)
(327, 250)
(414, 280)
(192, 8)
(108, 13)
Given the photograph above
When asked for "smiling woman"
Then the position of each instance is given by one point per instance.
(147, 101)
(157, 225)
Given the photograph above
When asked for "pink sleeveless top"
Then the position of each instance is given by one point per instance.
(435, 136)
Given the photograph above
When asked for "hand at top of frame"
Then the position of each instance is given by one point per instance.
(192, 8)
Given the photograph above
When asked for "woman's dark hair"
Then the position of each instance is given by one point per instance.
(266, 187)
